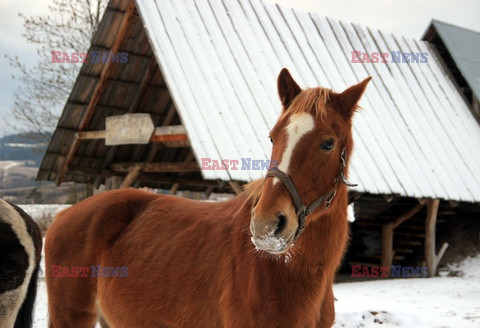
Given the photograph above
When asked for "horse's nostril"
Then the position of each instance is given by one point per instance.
(282, 223)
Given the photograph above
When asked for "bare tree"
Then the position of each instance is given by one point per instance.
(45, 87)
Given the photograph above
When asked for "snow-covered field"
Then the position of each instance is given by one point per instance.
(412, 302)
(438, 302)
(42, 211)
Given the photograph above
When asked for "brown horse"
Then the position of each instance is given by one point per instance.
(239, 263)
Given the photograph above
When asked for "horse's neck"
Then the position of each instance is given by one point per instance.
(325, 234)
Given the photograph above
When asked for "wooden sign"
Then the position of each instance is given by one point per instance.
(128, 129)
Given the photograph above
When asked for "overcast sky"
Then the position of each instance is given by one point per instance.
(407, 17)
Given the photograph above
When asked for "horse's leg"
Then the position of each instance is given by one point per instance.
(327, 311)
(71, 300)
(71, 303)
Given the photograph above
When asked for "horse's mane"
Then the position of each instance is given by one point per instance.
(308, 99)
(254, 190)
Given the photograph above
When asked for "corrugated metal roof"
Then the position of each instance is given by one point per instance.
(464, 47)
(220, 58)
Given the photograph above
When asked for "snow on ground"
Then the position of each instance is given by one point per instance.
(6, 165)
(40, 316)
(413, 302)
(40, 212)
(437, 302)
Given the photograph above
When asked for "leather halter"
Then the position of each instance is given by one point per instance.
(303, 210)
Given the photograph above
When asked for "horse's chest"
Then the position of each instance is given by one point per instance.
(275, 303)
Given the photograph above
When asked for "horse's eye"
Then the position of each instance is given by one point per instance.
(327, 145)
(271, 140)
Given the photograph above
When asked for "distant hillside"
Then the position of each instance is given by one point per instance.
(20, 148)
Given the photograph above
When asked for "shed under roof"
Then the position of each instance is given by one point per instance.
(218, 60)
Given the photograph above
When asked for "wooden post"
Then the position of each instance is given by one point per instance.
(387, 234)
(132, 175)
(387, 245)
(431, 258)
(208, 192)
(174, 189)
(88, 190)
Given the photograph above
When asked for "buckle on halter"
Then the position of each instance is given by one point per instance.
(304, 211)
(330, 199)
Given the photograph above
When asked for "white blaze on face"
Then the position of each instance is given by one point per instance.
(298, 125)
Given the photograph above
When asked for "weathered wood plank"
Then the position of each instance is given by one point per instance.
(157, 167)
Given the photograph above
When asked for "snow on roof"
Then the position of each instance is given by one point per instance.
(220, 58)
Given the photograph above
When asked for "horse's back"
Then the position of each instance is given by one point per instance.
(103, 218)
(80, 232)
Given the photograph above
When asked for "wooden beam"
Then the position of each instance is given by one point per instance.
(146, 177)
(132, 175)
(89, 171)
(90, 135)
(431, 258)
(169, 138)
(167, 121)
(170, 130)
(157, 167)
(99, 88)
(184, 181)
(409, 214)
(161, 134)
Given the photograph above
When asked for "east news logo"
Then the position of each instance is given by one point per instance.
(59, 271)
(92, 57)
(394, 57)
(395, 271)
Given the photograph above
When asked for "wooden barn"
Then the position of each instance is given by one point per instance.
(203, 74)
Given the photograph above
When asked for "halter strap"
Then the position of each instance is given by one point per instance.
(303, 210)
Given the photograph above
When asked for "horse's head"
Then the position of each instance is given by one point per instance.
(309, 138)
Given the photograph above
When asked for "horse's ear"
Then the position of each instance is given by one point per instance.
(287, 88)
(350, 97)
